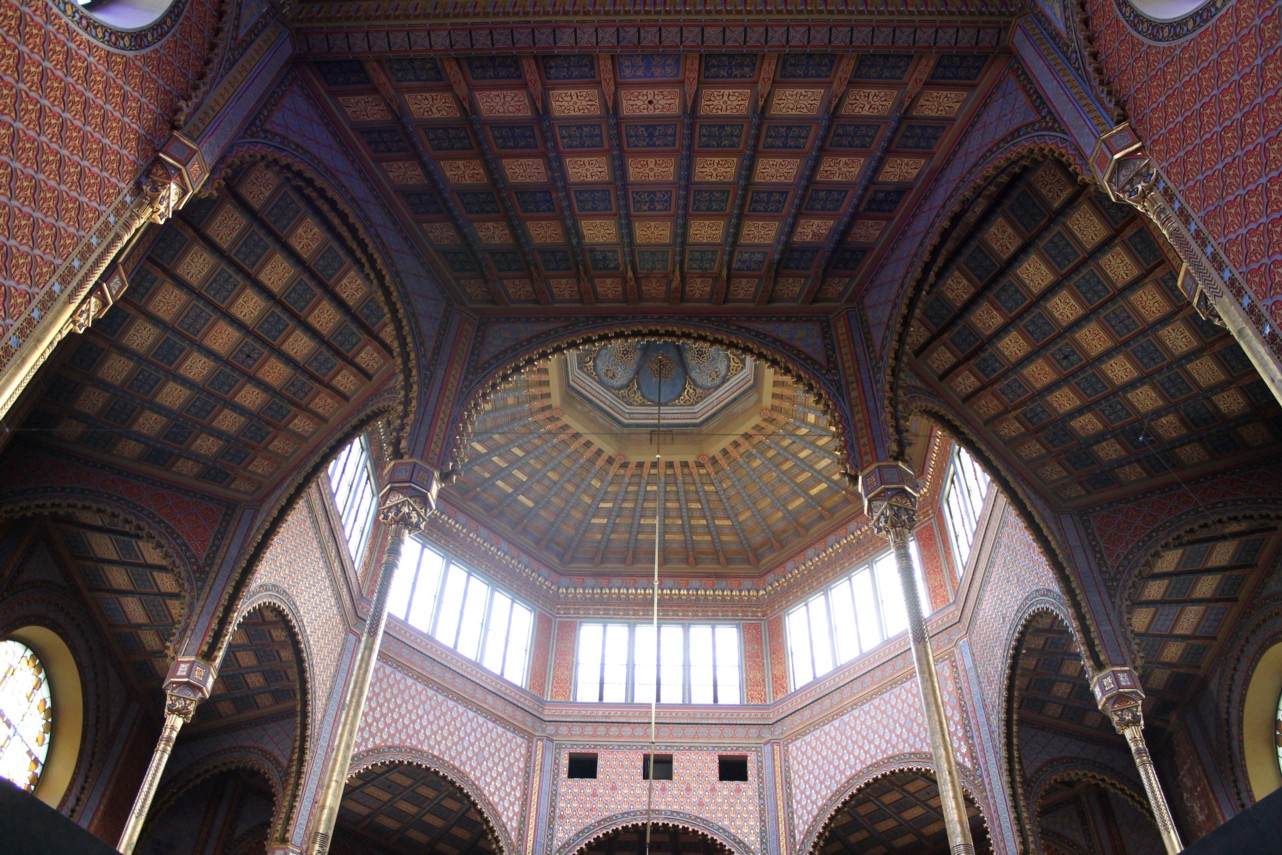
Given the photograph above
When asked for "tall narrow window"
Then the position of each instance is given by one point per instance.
(460, 609)
(26, 715)
(851, 616)
(351, 480)
(964, 492)
(694, 663)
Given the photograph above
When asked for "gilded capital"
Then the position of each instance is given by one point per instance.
(189, 681)
(1118, 693)
(890, 493)
(409, 493)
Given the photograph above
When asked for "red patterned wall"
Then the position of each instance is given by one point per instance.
(542, 653)
(1210, 110)
(754, 663)
(778, 652)
(563, 661)
(934, 568)
(78, 123)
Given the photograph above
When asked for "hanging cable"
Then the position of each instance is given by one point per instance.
(654, 612)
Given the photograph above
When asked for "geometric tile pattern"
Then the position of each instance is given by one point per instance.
(1189, 598)
(539, 481)
(400, 809)
(745, 177)
(260, 673)
(897, 813)
(404, 711)
(663, 838)
(1058, 324)
(248, 327)
(86, 121)
(1050, 681)
(694, 789)
(888, 724)
(137, 600)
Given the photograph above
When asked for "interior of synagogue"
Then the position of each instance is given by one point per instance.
(590, 428)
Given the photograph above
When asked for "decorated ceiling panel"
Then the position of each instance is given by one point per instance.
(260, 675)
(1059, 325)
(580, 492)
(1187, 601)
(1050, 684)
(248, 328)
(400, 808)
(747, 178)
(897, 813)
(136, 599)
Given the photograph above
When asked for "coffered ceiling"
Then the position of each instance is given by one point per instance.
(741, 176)
(1057, 322)
(580, 491)
(251, 326)
(897, 813)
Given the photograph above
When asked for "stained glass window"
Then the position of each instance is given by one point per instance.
(852, 616)
(26, 714)
(351, 480)
(964, 492)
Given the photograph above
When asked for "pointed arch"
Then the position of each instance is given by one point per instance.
(669, 818)
(392, 755)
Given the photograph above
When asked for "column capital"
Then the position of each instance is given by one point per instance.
(890, 492)
(189, 681)
(1118, 693)
(409, 493)
(1123, 166)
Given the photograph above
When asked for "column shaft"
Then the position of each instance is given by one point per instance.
(335, 776)
(951, 799)
(1134, 734)
(142, 802)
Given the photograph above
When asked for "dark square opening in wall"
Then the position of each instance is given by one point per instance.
(732, 767)
(662, 767)
(582, 766)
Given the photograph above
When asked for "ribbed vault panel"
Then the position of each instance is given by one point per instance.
(399, 809)
(897, 813)
(542, 483)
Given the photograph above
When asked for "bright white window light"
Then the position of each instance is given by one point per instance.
(849, 617)
(965, 487)
(351, 481)
(695, 663)
(461, 610)
(26, 715)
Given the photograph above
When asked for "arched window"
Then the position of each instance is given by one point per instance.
(849, 617)
(964, 491)
(26, 714)
(351, 480)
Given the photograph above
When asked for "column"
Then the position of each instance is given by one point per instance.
(188, 682)
(408, 498)
(1130, 176)
(890, 499)
(88, 283)
(1118, 693)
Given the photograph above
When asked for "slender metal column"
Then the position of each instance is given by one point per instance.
(187, 684)
(1130, 176)
(408, 498)
(1118, 693)
(890, 499)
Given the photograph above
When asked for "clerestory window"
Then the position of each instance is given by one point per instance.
(849, 617)
(965, 487)
(691, 664)
(461, 610)
(351, 481)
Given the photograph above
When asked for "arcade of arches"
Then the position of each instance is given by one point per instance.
(557, 428)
